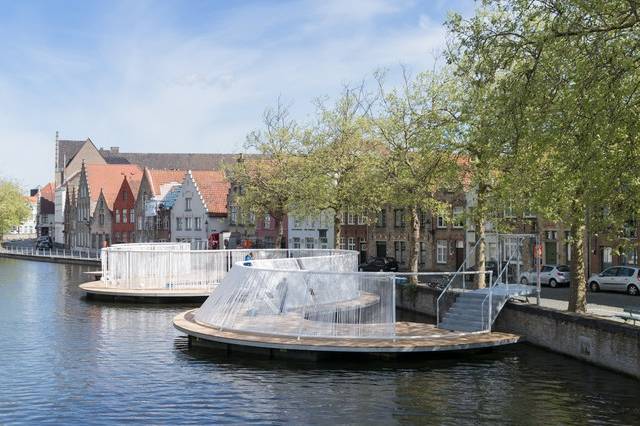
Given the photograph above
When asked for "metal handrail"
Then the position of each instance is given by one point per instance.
(473, 250)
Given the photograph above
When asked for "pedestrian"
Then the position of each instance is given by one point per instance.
(248, 258)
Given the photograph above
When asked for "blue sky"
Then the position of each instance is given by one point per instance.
(188, 76)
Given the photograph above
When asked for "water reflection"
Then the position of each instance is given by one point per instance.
(66, 359)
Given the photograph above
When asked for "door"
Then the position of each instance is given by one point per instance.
(624, 277)
(608, 279)
(551, 252)
(545, 274)
(381, 249)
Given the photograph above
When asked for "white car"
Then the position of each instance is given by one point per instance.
(617, 278)
(553, 275)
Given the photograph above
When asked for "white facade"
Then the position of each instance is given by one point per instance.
(190, 220)
(58, 231)
(311, 232)
(28, 227)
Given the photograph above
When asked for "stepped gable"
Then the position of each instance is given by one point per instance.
(107, 178)
(213, 187)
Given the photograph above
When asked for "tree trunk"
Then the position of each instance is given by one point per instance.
(280, 236)
(578, 290)
(414, 244)
(337, 231)
(479, 222)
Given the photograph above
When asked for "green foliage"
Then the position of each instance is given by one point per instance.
(555, 94)
(14, 208)
(269, 184)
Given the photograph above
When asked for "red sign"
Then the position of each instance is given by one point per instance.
(538, 251)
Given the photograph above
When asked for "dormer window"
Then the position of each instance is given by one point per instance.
(187, 204)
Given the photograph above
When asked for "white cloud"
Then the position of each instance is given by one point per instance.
(156, 88)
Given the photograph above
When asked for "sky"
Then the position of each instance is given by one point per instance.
(189, 76)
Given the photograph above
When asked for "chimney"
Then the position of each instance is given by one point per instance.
(115, 149)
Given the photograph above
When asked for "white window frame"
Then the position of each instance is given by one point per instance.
(442, 251)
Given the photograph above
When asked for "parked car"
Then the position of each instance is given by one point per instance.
(489, 265)
(551, 275)
(617, 278)
(376, 264)
(44, 242)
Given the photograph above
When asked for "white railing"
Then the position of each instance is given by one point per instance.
(176, 266)
(81, 253)
(283, 297)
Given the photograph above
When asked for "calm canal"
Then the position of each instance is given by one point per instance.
(67, 360)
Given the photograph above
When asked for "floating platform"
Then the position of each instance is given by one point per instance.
(98, 290)
(411, 338)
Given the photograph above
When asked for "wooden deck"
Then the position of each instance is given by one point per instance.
(98, 288)
(410, 338)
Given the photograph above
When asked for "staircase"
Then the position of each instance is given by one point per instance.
(470, 310)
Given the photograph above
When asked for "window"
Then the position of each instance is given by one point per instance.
(441, 223)
(626, 272)
(297, 223)
(343, 244)
(398, 218)
(322, 236)
(101, 218)
(552, 235)
(187, 204)
(268, 242)
(187, 224)
(441, 251)
(351, 218)
(296, 242)
(165, 222)
(234, 215)
(510, 248)
(252, 218)
(362, 219)
(267, 221)
(309, 242)
(381, 221)
(124, 215)
(117, 216)
(351, 243)
(607, 257)
(178, 224)
(400, 249)
(424, 219)
(423, 253)
(132, 216)
(458, 220)
(197, 223)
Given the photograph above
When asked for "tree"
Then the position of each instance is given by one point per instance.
(568, 75)
(343, 161)
(269, 183)
(14, 208)
(416, 124)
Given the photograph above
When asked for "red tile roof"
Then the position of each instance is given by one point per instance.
(108, 179)
(159, 177)
(214, 188)
(48, 192)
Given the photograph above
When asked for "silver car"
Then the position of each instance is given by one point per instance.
(553, 275)
(617, 278)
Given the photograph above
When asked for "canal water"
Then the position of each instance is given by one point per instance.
(68, 360)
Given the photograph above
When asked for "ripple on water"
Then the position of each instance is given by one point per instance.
(68, 360)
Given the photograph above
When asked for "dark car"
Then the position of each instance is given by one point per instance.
(44, 242)
(489, 265)
(376, 264)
